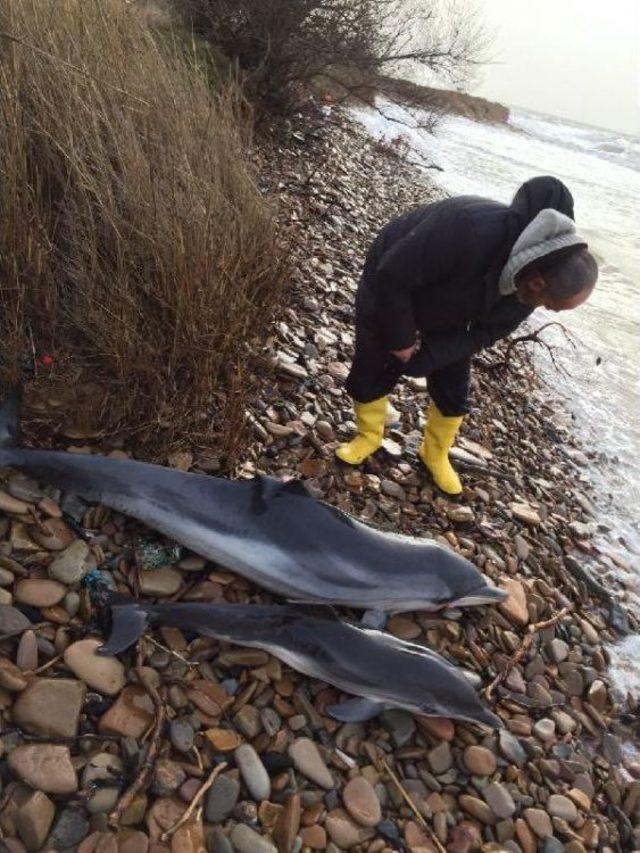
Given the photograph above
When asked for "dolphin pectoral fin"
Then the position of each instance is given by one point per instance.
(128, 621)
(375, 619)
(357, 710)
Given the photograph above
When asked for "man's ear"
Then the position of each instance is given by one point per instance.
(536, 283)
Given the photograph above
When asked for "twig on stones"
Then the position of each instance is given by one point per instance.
(406, 796)
(525, 646)
(198, 758)
(141, 781)
(202, 790)
(530, 337)
(168, 650)
(45, 666)
(473, 468)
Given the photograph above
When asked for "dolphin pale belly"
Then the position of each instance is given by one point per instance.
(383, 671)
(273, 533)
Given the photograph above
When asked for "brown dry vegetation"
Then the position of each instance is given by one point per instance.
(134, 243)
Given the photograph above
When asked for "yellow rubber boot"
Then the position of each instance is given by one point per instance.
(439, 435)
(370, 419)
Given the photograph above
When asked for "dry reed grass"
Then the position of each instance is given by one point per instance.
(134, 243)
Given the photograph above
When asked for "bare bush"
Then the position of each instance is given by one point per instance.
(284, 47)
(134, 243)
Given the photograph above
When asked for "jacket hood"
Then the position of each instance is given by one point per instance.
(546, 233)
(535, 195)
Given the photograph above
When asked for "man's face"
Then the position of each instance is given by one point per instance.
(534, 292)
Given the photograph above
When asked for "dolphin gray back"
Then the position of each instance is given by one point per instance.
(315, 641)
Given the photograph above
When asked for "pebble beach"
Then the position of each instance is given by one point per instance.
(186, 744)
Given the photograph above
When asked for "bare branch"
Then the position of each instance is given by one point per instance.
(284, 48)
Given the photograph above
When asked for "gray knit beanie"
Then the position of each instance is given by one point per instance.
(549, 231)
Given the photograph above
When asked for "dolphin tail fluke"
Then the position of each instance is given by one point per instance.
(10, 419)
(357, 710)
(128, 622)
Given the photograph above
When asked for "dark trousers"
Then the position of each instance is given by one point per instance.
(375, 372)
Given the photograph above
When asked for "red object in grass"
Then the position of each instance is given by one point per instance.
(46, 360)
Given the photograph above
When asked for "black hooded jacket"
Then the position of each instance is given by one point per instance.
(437, 271)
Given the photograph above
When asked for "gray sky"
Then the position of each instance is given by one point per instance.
(578, 59)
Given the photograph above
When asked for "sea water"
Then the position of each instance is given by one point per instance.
(601, 391)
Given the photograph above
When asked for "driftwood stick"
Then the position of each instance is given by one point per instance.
(407, 798)
(142, 779)
(202, 790)
(526, 645)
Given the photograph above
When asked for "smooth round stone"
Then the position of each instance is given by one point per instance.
(132, 842)
(564, 722)
(544, 729)
(27, 654)
(70, 565)
(514, 606)
(69, 829)
(343, 831)
(440, 758)
(580, 798)
(219, 843)
(285, 821)
(45, 766)
(597, 695)
(539, 821)
(558, 650)
(221, 798)
(72, 603)
(50, 707)
(479, 761)
(499, 800)
(560, 806)
(181, 733)
(25, 489)
(308, 761)
(476, 808)
(160, 582)
(104, 674)
(247, 840)
(361, 802)
(39, 593)
(253, 772)
(314, 837)
(11, 676)
(12, 619)
(6, 577)
(12, 505)
(33, 819)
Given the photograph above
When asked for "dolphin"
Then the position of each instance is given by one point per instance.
(272, 532)
(382, 671)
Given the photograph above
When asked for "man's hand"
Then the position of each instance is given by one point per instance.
(404, 355)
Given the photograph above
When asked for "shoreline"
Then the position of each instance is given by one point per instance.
(556, 778)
